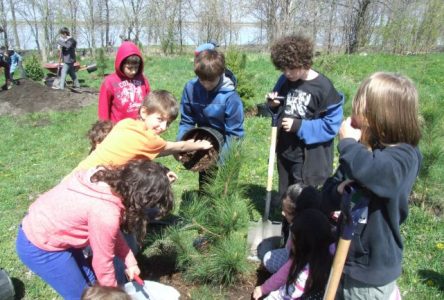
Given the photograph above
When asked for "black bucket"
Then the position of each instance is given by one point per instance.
(203, 159)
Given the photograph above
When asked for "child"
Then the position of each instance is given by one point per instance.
(98, 133)
(131, 138)
(306, 272)
(67, 45)
(378, 151)
(88, 209)
(98, 292)
(211, 100)
(312, 114)
(122, 92)
(15, 60)
(297, 198)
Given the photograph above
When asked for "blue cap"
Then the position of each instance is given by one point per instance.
(203, 47)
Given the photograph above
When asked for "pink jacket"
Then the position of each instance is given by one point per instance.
(77, 213)
(120, 97)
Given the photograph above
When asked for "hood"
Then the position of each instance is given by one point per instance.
(80, 182)
(125, 50)
(228, 82)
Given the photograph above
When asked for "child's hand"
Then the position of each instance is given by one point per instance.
(348, 131)
(287, 123)
(203, 144)
(257, 293)
(341, 186)
(272, 100)
(131, 271)
(172, 176)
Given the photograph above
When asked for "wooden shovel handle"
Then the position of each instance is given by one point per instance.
(336, 269)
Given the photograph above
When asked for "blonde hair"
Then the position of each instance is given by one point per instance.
(387, 103)
(162, 102)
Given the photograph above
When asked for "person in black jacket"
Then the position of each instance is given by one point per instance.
(378, 153)
(67, 44)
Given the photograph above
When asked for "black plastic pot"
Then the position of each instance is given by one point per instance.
(193, 159)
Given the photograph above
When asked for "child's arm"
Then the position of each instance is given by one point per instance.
(278, 279)
(234, 117)
(322, 129)
(105, 98)
(185, 146)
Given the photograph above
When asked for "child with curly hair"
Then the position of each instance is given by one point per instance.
(89, 209)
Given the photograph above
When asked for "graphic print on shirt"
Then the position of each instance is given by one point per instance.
(130, 90)
(296, 104)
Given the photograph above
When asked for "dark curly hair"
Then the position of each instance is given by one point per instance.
(292, 52)
(142, 185)
(98, 132)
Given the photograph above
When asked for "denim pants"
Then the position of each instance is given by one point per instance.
(68, 69)
(66, 271)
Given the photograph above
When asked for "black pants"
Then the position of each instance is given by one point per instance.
(5, 65)
(290, 172)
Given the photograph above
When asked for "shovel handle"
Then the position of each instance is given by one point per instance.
(138, 280)
(336, 269)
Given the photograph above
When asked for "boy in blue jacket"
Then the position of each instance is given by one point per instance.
(211, 100)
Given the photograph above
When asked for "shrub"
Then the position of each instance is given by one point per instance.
(33, 68)
(237, 61)
(101, 62)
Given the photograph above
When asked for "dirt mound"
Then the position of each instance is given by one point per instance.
(31, 96)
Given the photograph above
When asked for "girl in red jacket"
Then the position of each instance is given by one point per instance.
(89, 209)
(122, 92)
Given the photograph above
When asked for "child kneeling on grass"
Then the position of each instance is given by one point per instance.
(298, 198)
(89, 209)
(305, 274)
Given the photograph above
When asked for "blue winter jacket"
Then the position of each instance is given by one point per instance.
(221, 108)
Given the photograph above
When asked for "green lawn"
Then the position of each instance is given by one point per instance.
(37, 150)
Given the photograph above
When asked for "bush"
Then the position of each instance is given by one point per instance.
(101, 62)
(210, 243)
(33, 68)
(236, 61)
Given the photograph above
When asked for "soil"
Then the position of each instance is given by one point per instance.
(161, 269)
(30, 96)
(201, 160)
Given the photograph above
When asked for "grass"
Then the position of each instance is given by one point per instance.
(37, 150)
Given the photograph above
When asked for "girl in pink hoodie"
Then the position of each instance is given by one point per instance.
(122, 92)
(89, 209)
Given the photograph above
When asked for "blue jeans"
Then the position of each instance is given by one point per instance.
(66, 271)
(68, 69)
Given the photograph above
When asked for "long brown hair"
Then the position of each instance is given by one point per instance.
(387, 103)
(142, 184)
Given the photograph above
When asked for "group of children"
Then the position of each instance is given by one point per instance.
(112, 189)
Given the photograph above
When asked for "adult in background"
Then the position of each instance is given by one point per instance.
(67, 45)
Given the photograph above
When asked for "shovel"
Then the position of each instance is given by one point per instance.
(89, 68)
(56, 82)
(357, 211)
(265, 229)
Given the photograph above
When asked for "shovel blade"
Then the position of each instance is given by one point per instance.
(260, 231)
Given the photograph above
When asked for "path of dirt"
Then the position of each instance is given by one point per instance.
(31, 96)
